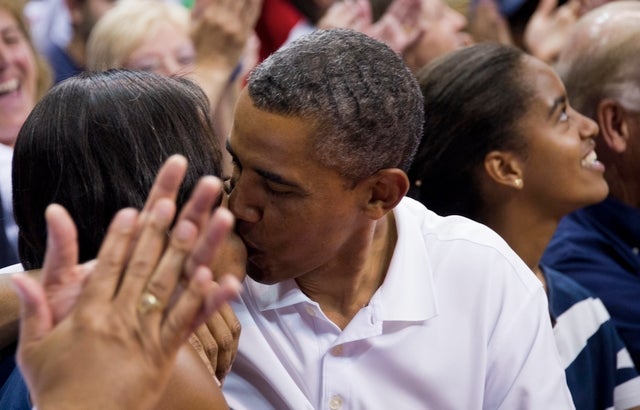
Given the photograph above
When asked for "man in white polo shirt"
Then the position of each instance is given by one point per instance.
(357, 297)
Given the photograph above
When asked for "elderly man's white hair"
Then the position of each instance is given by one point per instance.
(602, 56)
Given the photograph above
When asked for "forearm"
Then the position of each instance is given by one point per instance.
(191, 385)
(213, 79)
(10, 310)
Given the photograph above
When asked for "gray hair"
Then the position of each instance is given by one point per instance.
(362, 102)
(601, 57)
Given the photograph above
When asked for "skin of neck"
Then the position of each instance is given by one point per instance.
(525, 229)
(348, 285)
(8, 136)
(621, 187)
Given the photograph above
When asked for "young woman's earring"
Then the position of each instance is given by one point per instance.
(518, 182)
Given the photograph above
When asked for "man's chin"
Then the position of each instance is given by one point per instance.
(259, 274)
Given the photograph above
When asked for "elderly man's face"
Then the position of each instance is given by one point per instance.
(295, 215)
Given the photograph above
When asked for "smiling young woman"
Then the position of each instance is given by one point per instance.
(516, 157)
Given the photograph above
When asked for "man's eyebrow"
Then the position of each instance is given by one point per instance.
(268, 175)
(562, 100)
(278, 179)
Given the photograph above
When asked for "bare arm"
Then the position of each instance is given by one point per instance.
(220, 32)
(190, 385)
(135, 299)
(10, 309)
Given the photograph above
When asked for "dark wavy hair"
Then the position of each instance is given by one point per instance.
(94, 144)
(358, 96)
(473, 99)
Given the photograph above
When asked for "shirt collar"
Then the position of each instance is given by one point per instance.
(407, 293)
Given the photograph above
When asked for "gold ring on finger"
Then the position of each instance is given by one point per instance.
(149, 302)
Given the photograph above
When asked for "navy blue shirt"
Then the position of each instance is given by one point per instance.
(598, 247)
(597, 365)
(63, 66)
(14, 394)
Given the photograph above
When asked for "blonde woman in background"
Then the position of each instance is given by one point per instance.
(205, 45)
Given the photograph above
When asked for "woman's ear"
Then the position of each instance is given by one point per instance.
(385, 189)
(504, 168)
(612, 119)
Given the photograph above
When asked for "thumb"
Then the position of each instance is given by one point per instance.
(35, 314)
(62, 248)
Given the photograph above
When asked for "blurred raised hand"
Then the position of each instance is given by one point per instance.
(549, 27)
(117, 344)
(399, 27)
(487, 24)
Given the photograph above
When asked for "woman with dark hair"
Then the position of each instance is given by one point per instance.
(94, 144)
(98, 140)
(502, 146)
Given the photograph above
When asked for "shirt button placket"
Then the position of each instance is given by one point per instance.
(335, 403)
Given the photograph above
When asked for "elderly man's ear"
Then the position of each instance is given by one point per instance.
(614, 122)
(385, 190)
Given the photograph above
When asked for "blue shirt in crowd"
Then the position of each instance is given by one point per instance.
(599, 370)
(599, 248)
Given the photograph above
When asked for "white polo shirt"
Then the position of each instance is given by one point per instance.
(459, 323)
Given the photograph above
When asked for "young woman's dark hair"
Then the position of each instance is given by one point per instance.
(94, 144)
(472, 101)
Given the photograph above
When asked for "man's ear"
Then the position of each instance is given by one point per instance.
(505, 168)
(612, 119)
(385, 188)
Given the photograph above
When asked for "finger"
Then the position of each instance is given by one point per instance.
(206, 346)
(182, 317)
(364, 10)
(224, 340)
(192, 220)
(226, 289)
(200, 205)
(111, 260)
(61, 254)
(36, 319)
(166, 184)
(405, 11)
(163, 282)
(546, 7)
(146, 253)
(574, 7)
(228, 342)
(210, 241)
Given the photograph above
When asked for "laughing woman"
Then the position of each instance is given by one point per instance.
(24, 78)
(516, 157)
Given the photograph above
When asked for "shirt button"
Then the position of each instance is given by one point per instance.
(337, 350)
(335, 403)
